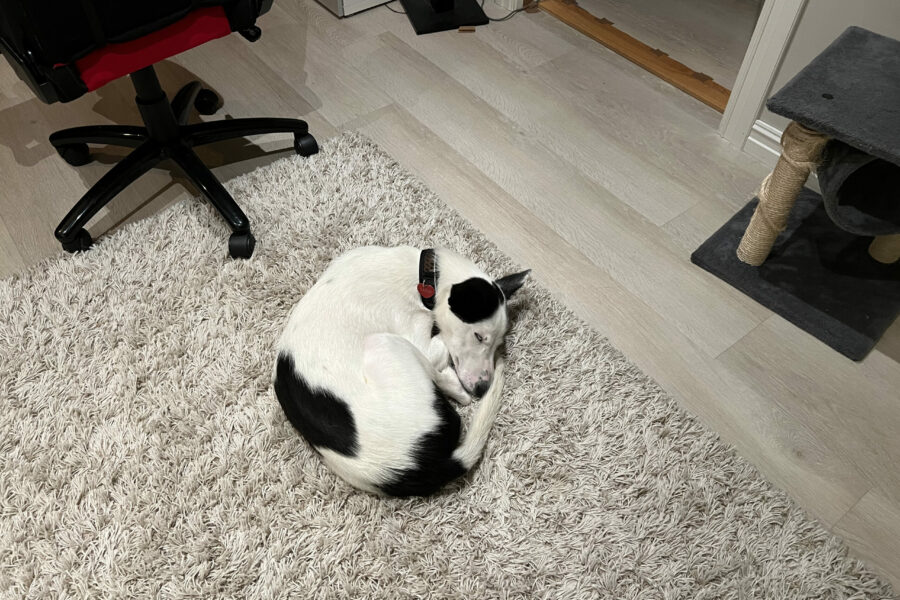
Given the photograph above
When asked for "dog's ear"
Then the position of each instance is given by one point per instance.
(511, 283)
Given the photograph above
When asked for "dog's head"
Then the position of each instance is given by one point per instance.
(473, 322)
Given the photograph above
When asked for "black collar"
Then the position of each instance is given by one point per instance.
(428, 275)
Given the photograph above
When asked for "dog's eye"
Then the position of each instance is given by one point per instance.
(479, 337)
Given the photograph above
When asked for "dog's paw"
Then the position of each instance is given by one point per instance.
(463, 399)
(449, 383)
(441, 362)
(438, 354)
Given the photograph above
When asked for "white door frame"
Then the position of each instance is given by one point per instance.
(774, 29)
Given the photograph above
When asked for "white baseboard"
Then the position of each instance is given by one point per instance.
(764, 143)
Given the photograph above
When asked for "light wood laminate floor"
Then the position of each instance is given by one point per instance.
(576, 163)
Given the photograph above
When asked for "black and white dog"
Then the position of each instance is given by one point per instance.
(373, 351)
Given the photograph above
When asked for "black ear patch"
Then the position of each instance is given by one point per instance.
(511, 283)
(474, 299)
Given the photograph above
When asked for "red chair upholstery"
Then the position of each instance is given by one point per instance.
(61, 61)
(116, 60)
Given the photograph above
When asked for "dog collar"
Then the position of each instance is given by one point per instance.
(427, 277)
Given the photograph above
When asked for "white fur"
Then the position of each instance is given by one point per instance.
(362, 333)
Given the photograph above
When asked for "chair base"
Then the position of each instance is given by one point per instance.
(166, 135)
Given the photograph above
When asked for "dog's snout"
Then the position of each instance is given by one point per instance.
(481, 388)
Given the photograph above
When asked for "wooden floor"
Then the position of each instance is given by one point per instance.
(576, 163)
(709, 36)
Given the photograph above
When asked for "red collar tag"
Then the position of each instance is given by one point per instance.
(425, 290)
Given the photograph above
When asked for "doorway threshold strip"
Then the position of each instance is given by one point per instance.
(700, 86)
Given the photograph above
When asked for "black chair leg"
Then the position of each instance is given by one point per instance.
(183, 101)
(216, 131)
(70, 231)
(210, 187)
(113, 135)
(242, 242)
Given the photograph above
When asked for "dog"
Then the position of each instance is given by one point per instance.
(373, 351)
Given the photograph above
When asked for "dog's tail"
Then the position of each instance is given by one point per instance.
(473, 443)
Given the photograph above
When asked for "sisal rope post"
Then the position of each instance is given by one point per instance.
(885, 248)
(801, 152)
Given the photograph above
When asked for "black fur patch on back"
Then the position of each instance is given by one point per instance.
(321, 418)
(474, 299)
(433, 454)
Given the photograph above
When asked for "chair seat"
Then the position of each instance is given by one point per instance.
(117, 60)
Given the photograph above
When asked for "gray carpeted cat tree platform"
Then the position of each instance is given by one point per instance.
(828, 263)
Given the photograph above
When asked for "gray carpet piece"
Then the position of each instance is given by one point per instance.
(851, 92)
(818, 276)
(143, 454)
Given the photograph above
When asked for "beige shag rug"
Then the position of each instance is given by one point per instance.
(143, 455)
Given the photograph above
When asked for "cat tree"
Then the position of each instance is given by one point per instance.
(827, 263)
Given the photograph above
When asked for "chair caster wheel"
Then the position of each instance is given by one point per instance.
(81, 242)
(241, 245)
(207, 102)
(75, 154)
(305, 145)
(252, 33)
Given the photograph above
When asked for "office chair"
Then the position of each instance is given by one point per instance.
(65, 48)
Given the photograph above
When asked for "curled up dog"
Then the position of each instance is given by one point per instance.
(372, 355)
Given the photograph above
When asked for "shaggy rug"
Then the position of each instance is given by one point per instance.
(143, 454)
